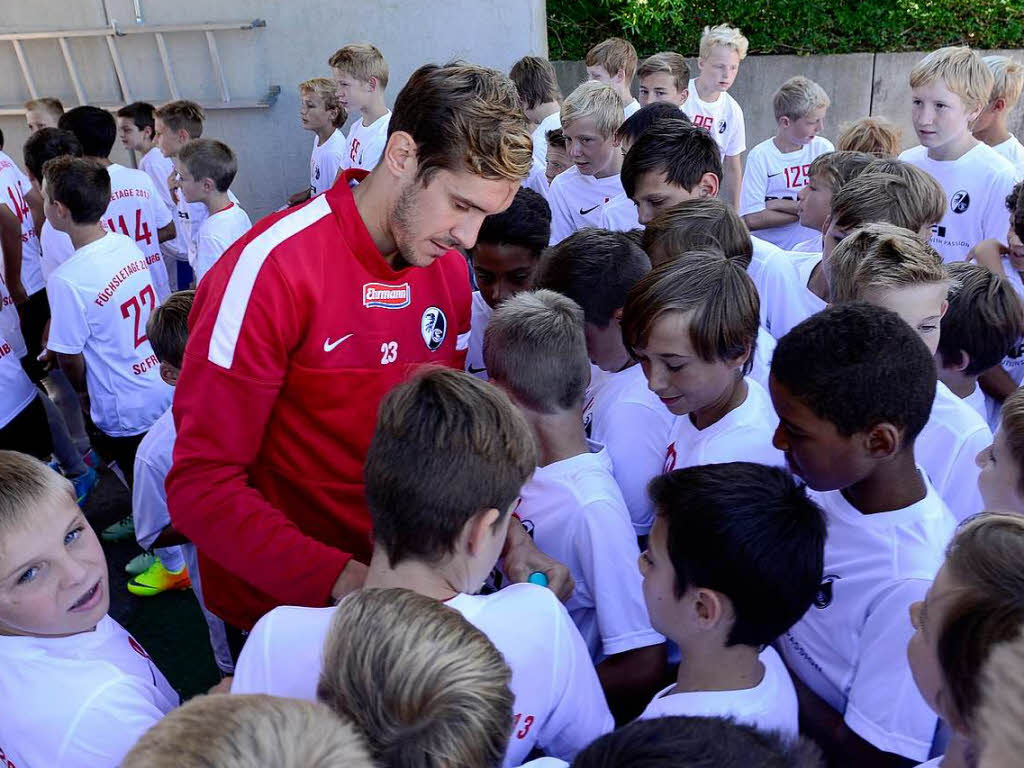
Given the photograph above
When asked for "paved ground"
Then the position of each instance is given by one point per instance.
(169, 626)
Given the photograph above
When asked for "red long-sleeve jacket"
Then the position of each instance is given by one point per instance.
(295, 336)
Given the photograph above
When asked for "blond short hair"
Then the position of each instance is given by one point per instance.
(1002, 704)
(667, 63)
(882, 257)
(182, 114)
(890, 192)
(597, 100)
(1007, 79)
(614, 54)
(362, 61)
(46, 103)
(875, 135)
(250, 731)
(837, 168)
(726, 36)
(798, 97)
(425, 686)
(961, 70)
(325, 89)
(24, 483)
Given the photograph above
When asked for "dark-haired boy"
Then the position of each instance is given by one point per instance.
(853, 387)
(723, 595)
(449, 456)
(534, 78)
(100, 300)
(596, 269)
(504, 260)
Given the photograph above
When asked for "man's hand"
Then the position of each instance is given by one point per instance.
(523, 558)
(350, 579)
(989, 254)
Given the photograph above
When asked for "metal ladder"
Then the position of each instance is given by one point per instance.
(114, 31)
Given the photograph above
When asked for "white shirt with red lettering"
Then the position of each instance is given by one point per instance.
(16, 389)
(10, 323)
(770, 174)
(325, 161)
(137, 211)
(100, 301)
(217, 233)
(576, 201)
(559, 705)
(366, 143)
(159, 167)
(14, 185)
(80, 701)
(722, 118)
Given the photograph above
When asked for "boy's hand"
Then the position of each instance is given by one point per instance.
(989, 254)
(523, 558)
(18, 293)
(350, 579)
(172, 186)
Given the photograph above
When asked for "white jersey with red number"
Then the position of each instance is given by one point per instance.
(16, 389)
(14, 185)
(559, 706)
(100, 300)
(136, 211)
(10, 322)
(159, 167)
(576, 201)
(325, 161)
(723, 118)
(366, 143)
(218, 233)
(774, 175)
(743, 434)
(80, 701)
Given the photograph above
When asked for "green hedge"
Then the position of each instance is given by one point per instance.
(787, 26)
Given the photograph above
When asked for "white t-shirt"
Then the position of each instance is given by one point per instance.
(559, 705)
(190, 218)
(620, 215)
(158, 167)
(545, 762)
(631, 109)
(811, 245)
(743, 434)
(537, 180)
(480, 317)
(977, 401)
(100, 300)
(768, 706)
(540, 138)
(1013, 151)
(786, 301)
(935, 762)
(14, 185)
(10, 322)
(1013, 363)
(80, 701)
(56, 249)
(366, 143)
(947, 447)
(851, 646)
(771, 174)
(576, 201)
(580, 519)
(722, 118)
(325, 162)
(976, 186)
(16, 389)
(217, 233)
(763, 352)
(137, 211)
(623, 414)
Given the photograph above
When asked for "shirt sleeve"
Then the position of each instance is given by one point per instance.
(883, 705)
(738, 140)
(330, 166)
(636, 438)
(252, 670)
(208, 250)
(561, 220)
(993, 219)
(221, 415)
(607, 552)
(149, 502)
(69, 327)
(755, 183)
(961, 492)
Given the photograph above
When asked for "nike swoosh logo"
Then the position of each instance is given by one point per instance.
(773, 175)
(584, 213)
(330, 345)
(471, 369)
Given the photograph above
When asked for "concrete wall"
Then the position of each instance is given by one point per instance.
(859, 84)
(299, 37)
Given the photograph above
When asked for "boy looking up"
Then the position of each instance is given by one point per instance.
(322, 114)
(43, 113)
(722, 595)
(664, 77)
(613, 62)
(591, 115)
(361, 75)
(577, 511)
(991, 125)
(853, 386)
(778, 168)
(538, 90)
(826, 175)
(708, 106)
(950, 88)
(206, 168)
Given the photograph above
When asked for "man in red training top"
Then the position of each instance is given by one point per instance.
(307, 321)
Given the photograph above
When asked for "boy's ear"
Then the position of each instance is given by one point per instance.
(710, 608)
(883, 440)
(998, 105)
(709, 185)
(372, 84)
(479, 528)
(684, 92)
(785, 122)
(169, 374)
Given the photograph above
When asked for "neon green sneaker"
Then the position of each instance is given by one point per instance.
(140, 564)
(122, 530)
(157, 579)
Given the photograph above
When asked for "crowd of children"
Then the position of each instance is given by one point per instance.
(761, 422)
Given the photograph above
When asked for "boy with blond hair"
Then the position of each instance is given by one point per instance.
(664, 77)
(538, 90)
(206, 168)
(591, 116)
(361, 75)
(826, 175)
(613, 62)
(709, 106)
(322, 114)
(990, 127)
(875, 135)
(43, 113)
(69, 671)
(777, 168)
(950, 88)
